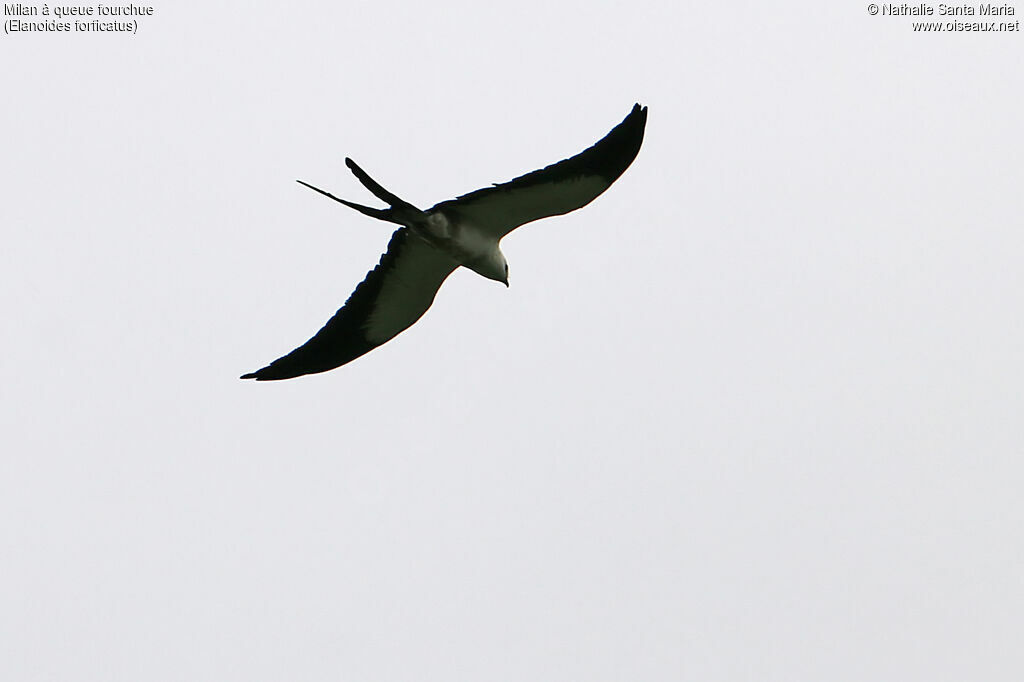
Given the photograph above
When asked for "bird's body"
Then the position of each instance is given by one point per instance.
(465, 242)
(431, 244)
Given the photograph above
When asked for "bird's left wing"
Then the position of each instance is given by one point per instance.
(393, 296)
(559, 188)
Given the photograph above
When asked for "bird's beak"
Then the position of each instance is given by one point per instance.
(505, 283)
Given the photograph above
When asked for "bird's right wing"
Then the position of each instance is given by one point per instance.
(557, 189)
(393, 296)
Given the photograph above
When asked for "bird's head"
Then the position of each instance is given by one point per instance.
(491, 265)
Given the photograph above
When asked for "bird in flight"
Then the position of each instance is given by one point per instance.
(431, 244)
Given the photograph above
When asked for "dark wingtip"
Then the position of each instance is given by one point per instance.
(612, 155)
(269, 373)
(638, 111)
(276, 371)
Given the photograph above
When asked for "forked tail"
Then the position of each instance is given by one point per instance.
(400, 212)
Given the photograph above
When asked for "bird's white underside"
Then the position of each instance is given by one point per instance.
(418, 273)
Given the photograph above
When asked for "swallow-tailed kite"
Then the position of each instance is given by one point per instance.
(432, 243)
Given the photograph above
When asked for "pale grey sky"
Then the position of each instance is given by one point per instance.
(754, 414)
